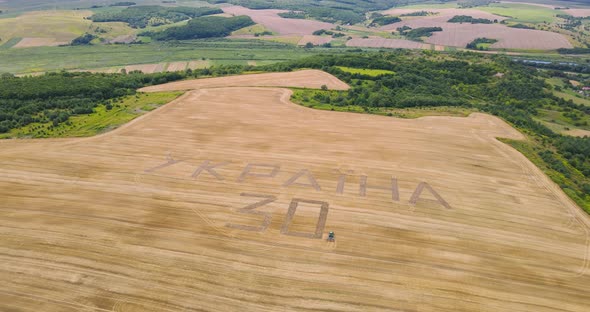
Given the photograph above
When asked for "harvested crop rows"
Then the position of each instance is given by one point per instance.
(152, 68)
(214, 202)
(508, 38)
(198, 64)
(279, 25)
(146, 68)
(459, 35)
(303, 78)
(177, 66)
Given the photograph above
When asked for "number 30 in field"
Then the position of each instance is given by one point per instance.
(267, 199)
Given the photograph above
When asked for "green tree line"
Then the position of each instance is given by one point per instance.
(153, 15)
(203, 27)
(469, 19)
(417, 33)
(54, 97)
(385, 20)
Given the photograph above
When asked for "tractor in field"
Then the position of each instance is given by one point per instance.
(331, 237)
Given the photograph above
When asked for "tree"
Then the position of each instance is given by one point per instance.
(309, 45)
(83, 40)
(324, 87)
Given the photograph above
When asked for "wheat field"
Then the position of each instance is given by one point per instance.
(222, 200)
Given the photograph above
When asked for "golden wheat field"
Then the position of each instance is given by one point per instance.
(223, 199)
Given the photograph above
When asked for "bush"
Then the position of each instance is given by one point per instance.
(416, 33)
(83, 40)
(469, 19)
(385, 20)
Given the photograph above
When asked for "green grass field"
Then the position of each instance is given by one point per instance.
(521, 13)
(288, 39)
(251, 30)
(575, 99)
(567, 94)
(555, 127)
(220, 51)
(101, 120)
(113, 29)
(61, 25)
(561, 122)
(368, 72)
(554, 81)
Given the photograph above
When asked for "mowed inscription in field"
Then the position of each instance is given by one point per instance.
(221, 201)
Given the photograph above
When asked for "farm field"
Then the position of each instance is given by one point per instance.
(386, 43)
(146, 68)
(40, 30)
(524, 39)
(211, 205)
(18, 6)
(578, 12)
(444, 14)
(364, 71)
(288, 39)
(522, 13)
(215, 52)
(547, 6)
(282, 26)
(304, 79)
(250, 30)
(460, 34)
(39, 42)
(45, 27)
(177, 66)
(149, 68)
